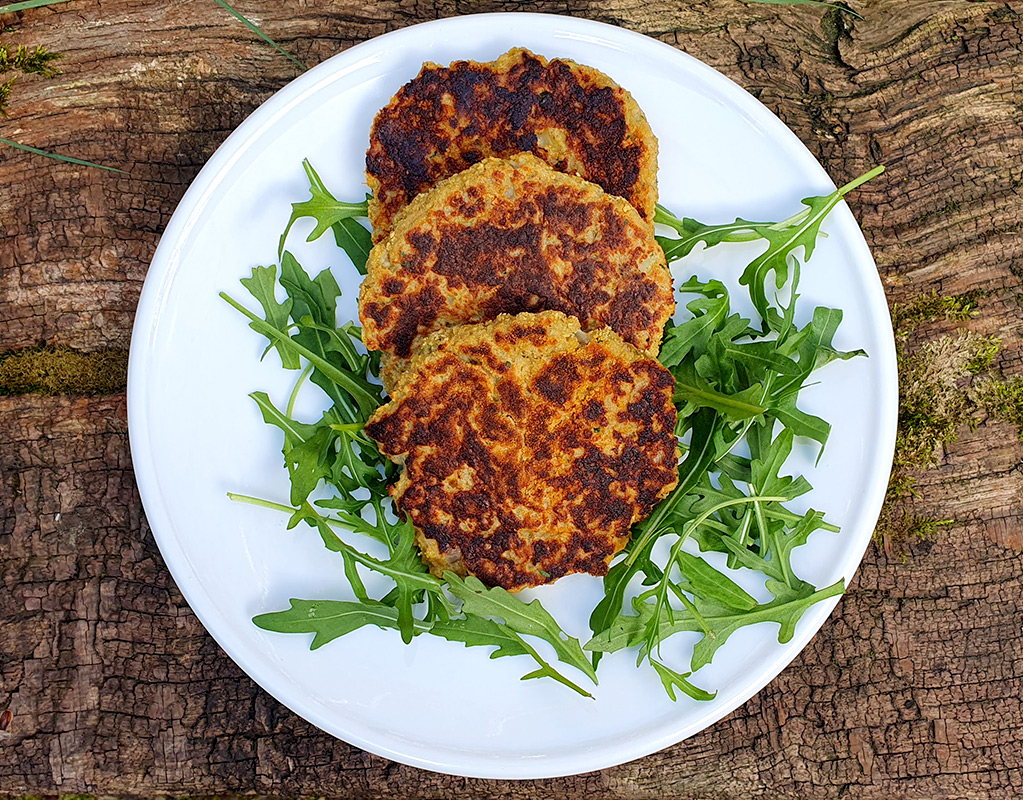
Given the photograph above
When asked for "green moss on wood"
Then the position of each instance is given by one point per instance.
(61, 370)
(930, 307)
(945, 385)
(1004, 400)
(22, 60)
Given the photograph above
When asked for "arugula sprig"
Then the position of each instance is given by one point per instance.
(456, 609)
(735, 383)
(783, 238)
(335, 452)
(332, 214)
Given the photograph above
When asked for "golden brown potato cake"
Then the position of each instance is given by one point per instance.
(529, 446)
(514, 235)
(448, 118)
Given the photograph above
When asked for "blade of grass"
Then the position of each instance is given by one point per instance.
(11, 7)
(808, 3)
(256, 30)
(59, 157)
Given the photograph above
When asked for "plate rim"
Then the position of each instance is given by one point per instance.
(160, 276)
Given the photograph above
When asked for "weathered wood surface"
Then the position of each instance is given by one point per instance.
(913, 688)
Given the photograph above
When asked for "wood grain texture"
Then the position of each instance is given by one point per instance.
(912, 689)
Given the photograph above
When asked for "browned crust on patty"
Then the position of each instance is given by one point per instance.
(510, 236)
(529, 447)
(448, 118)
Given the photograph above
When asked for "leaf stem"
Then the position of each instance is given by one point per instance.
(298, 385)
(687, 530)
(855, 183)
(259, 501)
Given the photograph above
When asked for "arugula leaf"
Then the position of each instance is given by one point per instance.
(474, 631)
(673, 680)
(262, 286)
(331, 619)
(306, 448)
(316, 297)
(341, 385)
(328, 212)
(784, 238)
(403, 566)
(716, 622)
(328, 619)
(691, 388)
(355, 240)
(733, 382)
(708, 582)
(530, 619)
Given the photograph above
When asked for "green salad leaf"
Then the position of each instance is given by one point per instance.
(334, 215)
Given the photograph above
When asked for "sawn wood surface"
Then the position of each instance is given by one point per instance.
(913, 687)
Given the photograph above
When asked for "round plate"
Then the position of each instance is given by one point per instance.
(195, 435)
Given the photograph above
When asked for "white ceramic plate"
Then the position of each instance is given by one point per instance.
(195, 435)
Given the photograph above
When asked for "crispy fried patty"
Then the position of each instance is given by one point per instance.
(529, 447)
(448, 118)
(514, 235)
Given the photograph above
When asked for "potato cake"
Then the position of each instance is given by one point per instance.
(530, 447)
(510, 236)
(448, 118)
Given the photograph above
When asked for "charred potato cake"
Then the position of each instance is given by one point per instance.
(529, 447)
(448, 118)
(510, 236)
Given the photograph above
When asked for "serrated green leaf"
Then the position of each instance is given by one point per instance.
(692, 233)
(324, 208)
(783, 238)
(628, 629)
(305, 448)
(783, 241)
(733, 383)
(348, 390)
(799, 422)
(474, 631)
(692, 388)
(295, 432)
(636, 558)
(785, 611)
(316, 297)
(262, 285)
(766, 465)
(530, 619)
(680, 340)
(328, 619)
(763, 356)
(672, 680)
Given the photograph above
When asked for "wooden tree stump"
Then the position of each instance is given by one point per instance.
(912, 689)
